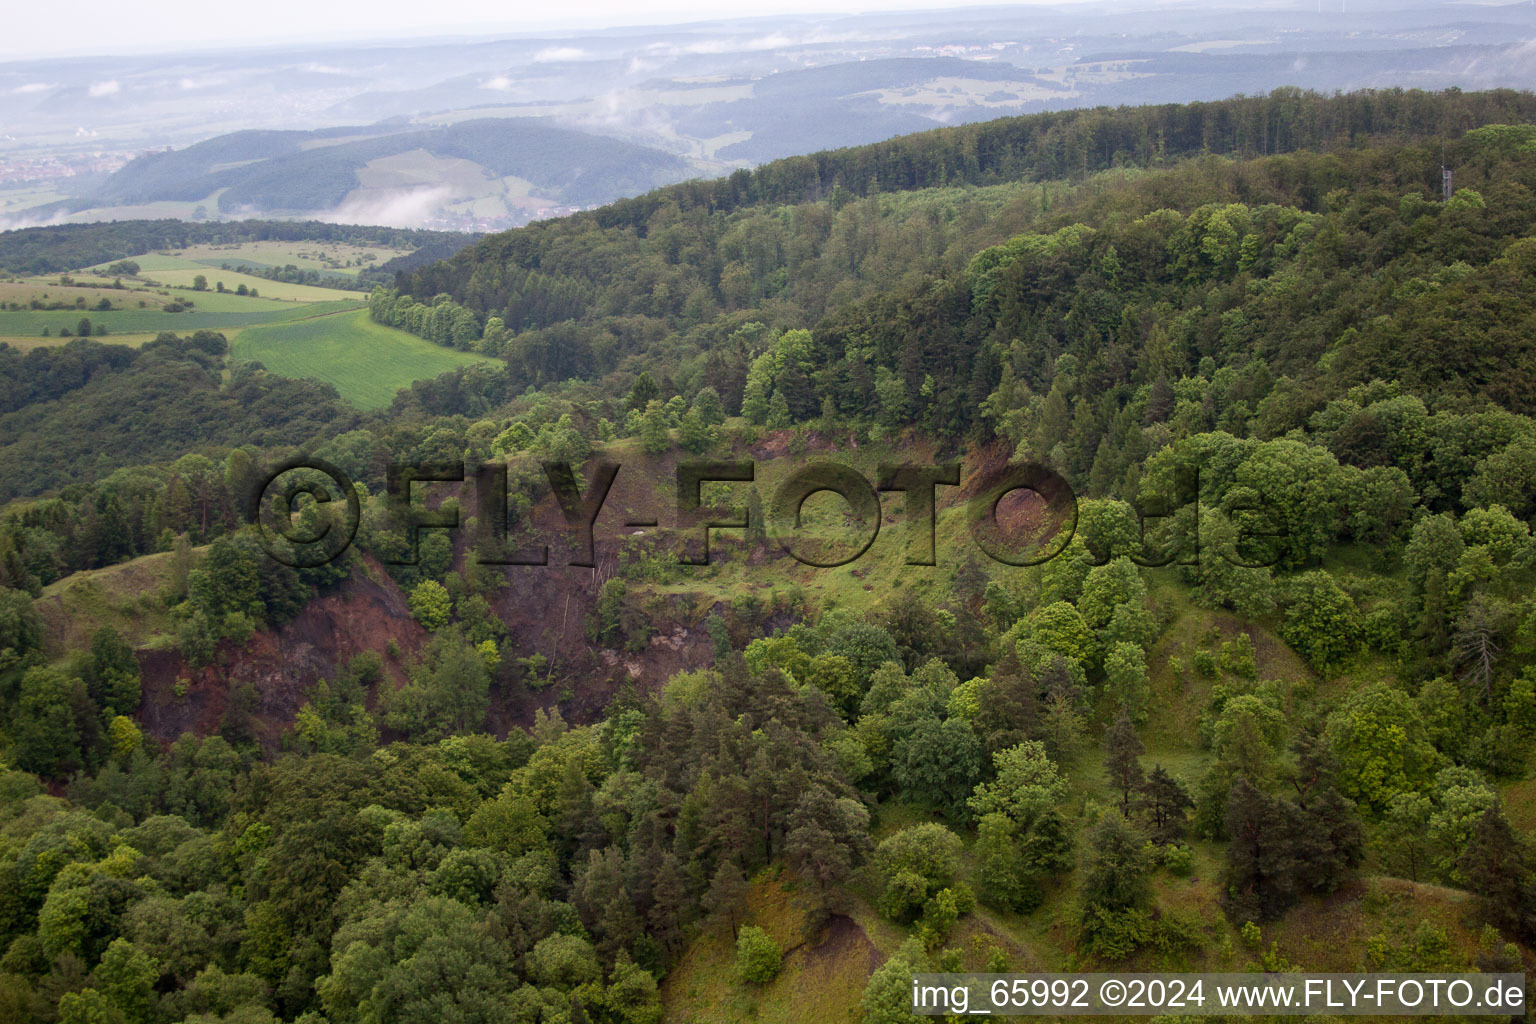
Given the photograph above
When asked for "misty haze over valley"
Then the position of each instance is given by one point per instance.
(485, 133)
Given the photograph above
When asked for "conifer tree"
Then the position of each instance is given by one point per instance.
(1123, 760)
(1167, 804)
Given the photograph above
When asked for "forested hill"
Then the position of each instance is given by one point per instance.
(419, 783)
(1138, 272)
(1059, 145)
(58, 247)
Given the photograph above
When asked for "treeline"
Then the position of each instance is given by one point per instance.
(386, 273)
(60, 247)
(91, 409)
(578, 300)
(50, 372)
(1063, 145)
(442, 320)
(1113, 313)
(290, 274)
(136, 510)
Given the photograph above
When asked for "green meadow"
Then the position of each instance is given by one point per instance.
(30, 323)
(365, 361)
(181, 271)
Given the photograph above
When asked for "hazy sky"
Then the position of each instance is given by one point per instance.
(116, 27)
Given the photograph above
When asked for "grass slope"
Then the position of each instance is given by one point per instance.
(125, 597)
(367, 362)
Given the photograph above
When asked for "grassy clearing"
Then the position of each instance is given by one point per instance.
(878, 574)
(367, 362)
(126, 597)
(821, 980)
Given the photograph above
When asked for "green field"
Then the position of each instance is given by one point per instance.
(180, 272)
(367, 362)
(29, 323)
(324, 257)
(135, 295)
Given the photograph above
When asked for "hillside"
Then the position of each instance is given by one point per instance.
(489, 168)
(726, 92)
(64, 247)
(1261, 696)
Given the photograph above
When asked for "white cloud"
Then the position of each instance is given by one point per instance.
(16, 222)
(394, 208)
(736, 44)
(551, 54)
(501, 83)
(1509, 67)
(31, 87)
(108, 88)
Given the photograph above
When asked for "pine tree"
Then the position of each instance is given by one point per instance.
(1009, 706)
(799, 394)
(1496, 865)
(1123, 760)
(604, 902)
(708, 405)
(1260, 876)
(1061, 729)
(826, 838)
(644, 392)
(1047, 846)
(779, 416)
(668, 903)
(1116, 875)
(1159, 400)
(1116, 890)
(1101, 476)
(1315, 764)
(1167, 804)
(727, 894)
(1329, 842)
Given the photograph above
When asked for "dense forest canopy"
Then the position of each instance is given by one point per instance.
(1089, 763)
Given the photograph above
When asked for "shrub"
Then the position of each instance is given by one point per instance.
(758, 957)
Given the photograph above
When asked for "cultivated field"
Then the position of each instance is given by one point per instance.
(163, 296)
(367, 362)
(25, 327)
(179, 271)
(336, 258)
(295, 330)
